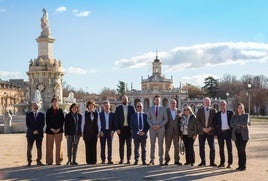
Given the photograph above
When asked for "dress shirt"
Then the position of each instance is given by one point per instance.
(224, 121)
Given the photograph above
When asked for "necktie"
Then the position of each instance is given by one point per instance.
(140, 122)
(35, 116)
(156, 111)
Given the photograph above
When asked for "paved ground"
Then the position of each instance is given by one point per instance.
(13, 161)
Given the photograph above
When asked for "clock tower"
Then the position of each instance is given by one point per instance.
(45, 72)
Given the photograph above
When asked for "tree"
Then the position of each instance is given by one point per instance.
(193, 91)
(107, 93)
(211, 86)
(121, 89)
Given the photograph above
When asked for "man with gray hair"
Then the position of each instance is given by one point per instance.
(205, 119)
(35, 122)
(223, 131)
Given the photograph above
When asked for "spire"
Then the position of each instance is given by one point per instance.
(156, 56)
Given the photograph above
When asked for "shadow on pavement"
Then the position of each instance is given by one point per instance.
(111, 172)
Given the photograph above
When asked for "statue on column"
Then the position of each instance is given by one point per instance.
(45, 24)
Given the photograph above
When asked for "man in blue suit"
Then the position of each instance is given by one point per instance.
(139, 127)
(106, 131)
(35, 122)
(122, 117)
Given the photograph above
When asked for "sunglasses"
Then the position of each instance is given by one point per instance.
(139, 106)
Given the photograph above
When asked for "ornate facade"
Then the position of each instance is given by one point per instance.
(45, 72)
(156, 84)
(9, 96)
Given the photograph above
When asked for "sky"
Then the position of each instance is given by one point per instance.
(102, 42)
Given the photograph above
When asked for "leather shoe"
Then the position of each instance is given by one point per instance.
(102, 162)
(151, 162)
(144, 163)
(186, 163)
(221, 165)
(166, 162)
(128, 162)
(201, 164)
(29, 164)
(135, 163)
(213, 165)
(177, 163)
(68, 163)
(40, 163)
(110, 162)
(229, 165)
(161, 164)
(121, 162)
(74, 163)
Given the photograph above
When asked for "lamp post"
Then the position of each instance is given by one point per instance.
(227, 96)
(249, 86)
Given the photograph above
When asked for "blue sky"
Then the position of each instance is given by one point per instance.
(103, 41)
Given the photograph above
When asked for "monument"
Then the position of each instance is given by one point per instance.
(45, 72)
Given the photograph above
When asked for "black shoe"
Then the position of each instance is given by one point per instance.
(229, 165)
(221, 165)
(39, 163)
(110, 162)
(186, 163)
(242, 169)
(151, 162)
(213, 165)
(144, 163)
(102, 162)
(29, 164)
(121, 162)
(166, 162)
(74, 163)
(201, 164)
(128, 162)
(58, 163)
(135, 163)
(68, 163)
(161, 164)
(238, 168)
(177, 163)
(192, 164)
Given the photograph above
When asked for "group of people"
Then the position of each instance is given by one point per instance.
(166, 125)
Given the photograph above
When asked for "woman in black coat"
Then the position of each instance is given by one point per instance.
(90, 132)
(72, 132)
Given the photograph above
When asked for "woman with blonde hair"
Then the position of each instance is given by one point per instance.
(240, 134)
(189, 129)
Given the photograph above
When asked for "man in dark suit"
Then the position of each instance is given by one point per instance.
(106, 131)
(223, 131)
(172, 132)
(205, 118)
(157, 119)
(139, 127)
(35, 122)
(122, 117)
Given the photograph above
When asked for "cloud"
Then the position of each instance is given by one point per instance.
(2, 10)
(76, 12)
(197, 80)
(78, 71)
(9, 74)
(201, 55)
(61, 9)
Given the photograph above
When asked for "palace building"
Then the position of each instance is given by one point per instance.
(157, 84)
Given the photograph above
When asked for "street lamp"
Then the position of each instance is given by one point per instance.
(249, 86)
(227, 96)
